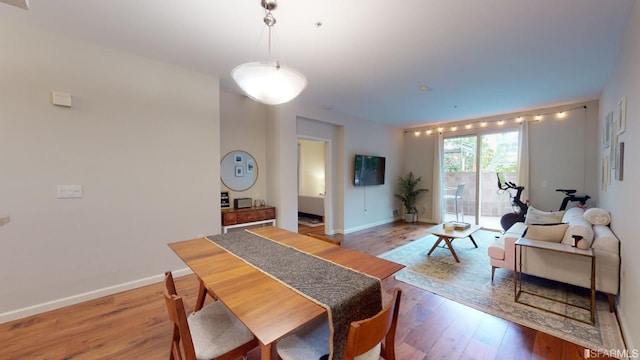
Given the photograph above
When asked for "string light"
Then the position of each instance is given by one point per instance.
(501, 122)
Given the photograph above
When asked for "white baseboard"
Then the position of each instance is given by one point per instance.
(628, 341)
(78, 298)
(362, 227)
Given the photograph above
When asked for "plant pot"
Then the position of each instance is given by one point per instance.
(410, 218)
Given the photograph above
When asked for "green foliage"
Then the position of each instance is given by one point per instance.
(408, 193)
(498, 153)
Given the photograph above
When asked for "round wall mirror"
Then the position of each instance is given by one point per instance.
(238, 170)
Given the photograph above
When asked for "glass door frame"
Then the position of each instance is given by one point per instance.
(478, 133)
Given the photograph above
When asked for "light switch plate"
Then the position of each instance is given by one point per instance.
(69, 191)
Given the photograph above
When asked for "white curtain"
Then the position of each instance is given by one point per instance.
(437, 210)
(522, 178)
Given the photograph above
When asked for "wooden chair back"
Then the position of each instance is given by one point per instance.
(365, 334)
(177, 315)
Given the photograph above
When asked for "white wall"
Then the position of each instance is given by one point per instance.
(622, 197)
(358, 208)
(243, 125)
(142, 138)
(563, 154)
(311, 168)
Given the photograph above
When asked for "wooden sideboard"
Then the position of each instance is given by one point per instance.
(233, 218)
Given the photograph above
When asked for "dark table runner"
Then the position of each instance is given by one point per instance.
(347, 294)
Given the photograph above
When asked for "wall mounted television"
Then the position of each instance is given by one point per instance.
(368, 170)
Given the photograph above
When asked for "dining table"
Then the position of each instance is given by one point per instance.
(267, 306)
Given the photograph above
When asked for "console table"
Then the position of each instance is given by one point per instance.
(551, 246)
(257, 215)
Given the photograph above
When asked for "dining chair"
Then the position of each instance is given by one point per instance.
(211, 333)
(367, 339)
(457, 196)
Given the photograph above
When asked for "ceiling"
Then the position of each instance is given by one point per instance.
(369, 58)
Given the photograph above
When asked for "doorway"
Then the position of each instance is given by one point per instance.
(470, 166)
(312, 185)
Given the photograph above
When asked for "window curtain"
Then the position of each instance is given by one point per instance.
(522, 177)
(437, 210)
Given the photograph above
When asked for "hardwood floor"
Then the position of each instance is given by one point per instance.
(134, 324)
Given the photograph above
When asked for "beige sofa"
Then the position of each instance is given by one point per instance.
(562, 267)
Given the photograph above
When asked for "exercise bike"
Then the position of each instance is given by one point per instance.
(570, 196)
(518, 215)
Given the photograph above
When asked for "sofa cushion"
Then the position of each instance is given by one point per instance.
(570, 213)
(535, 216)
(597, 216)
(578, 226)
(496, 249)
(551, 233)
(605, 239)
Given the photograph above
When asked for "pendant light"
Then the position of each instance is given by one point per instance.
(269, 82)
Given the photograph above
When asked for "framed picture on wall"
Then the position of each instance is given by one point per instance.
(239, 171)
(622, 115)
(238, 158)
(606, 133)
(620, 161)
(250, 166)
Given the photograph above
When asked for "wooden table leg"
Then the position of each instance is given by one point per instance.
(473, 241)
(435, 245)
(453, 252)
(265, 351)
(447, 241)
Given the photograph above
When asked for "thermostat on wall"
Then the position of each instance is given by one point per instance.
(61, 99)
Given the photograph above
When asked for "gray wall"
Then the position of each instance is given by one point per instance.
(563, 154)
(144, 152)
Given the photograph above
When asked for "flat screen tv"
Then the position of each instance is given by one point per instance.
(368, 170)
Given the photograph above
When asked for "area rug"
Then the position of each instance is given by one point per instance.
(469, 283)
(311, 222)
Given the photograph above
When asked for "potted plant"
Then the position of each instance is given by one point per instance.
(408, 194)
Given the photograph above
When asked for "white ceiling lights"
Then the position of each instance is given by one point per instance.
(269, 82)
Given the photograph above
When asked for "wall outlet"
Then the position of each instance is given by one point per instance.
(396, 212)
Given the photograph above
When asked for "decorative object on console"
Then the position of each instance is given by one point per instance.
(583, 244)
(269, 82)
(224, 199)
(576, 240)
(241, 203)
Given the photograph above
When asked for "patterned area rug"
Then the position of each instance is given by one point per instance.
(469, 283)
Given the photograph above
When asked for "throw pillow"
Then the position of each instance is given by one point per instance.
(551, 233)
(535, 216)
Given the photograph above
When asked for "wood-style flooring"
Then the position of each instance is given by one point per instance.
(134, 324)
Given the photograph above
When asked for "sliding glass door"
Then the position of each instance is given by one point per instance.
(470, 166)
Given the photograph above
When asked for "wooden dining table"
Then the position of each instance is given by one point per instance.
(269, 308)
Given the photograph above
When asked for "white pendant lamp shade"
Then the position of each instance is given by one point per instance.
(269, 84)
